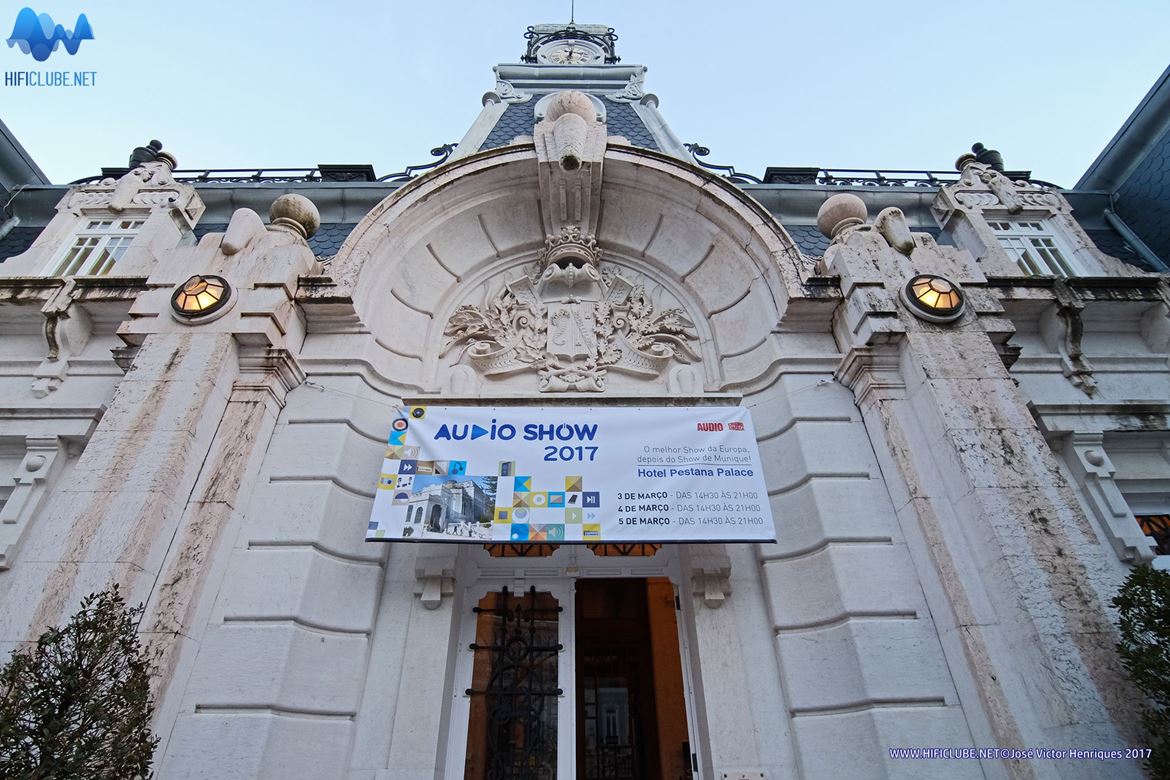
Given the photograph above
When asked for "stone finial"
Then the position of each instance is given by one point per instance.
(571, 113)
(571, 102)
(296, 212)
(839, 212)
(145, 154)
(989, 157)
(982, 155)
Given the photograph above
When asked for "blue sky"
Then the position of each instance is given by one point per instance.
(845, 84)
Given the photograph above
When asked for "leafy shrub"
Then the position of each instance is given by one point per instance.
(1144, 605)
(77, 704)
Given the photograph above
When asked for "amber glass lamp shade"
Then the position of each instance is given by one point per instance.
(200, 295)
(933, 298)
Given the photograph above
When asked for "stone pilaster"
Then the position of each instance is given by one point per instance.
(999, 541)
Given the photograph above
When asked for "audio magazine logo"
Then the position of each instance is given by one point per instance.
(39, 36)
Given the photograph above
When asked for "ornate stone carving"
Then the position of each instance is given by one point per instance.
(982, 187)
(634, 90)
(507, 93)
(572, 320)
(570, 150)
(148, 187)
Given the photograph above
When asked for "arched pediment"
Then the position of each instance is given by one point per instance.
(690, 278)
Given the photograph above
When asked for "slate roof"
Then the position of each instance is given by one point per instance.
(1110, 242)
(1143, 199)
(809, 238)
(324, 243)
(624, 121)
(17, 241)
(518, 119)
(812, 242)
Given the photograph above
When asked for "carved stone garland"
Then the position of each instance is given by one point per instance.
(572, 320)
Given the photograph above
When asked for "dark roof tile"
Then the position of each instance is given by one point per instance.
(1110, 242)
(518, 119)
(324, 243)
(18, 240)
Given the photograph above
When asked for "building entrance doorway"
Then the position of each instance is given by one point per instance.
(631, 708)
(585, 676)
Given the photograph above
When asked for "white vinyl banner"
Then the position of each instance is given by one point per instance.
(571, 474)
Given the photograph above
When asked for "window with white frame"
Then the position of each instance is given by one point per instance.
(96, 247)
(1035, 247)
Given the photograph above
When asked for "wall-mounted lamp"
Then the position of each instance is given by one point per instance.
(201, 296)
(933, 298)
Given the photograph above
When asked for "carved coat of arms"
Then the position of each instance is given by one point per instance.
(572, 320)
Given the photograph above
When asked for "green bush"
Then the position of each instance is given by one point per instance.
(77, 704)
(1144, 604)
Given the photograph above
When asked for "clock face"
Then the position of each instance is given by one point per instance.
(569, 53)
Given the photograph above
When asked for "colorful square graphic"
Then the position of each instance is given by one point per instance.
(520, 499)
(405, 481)
(554, 532)
(573, 484)
(417, 412)
(591, 531)
(401, 497)
(591, 499)
(537, 533)
(410, 452)
(457, 468)
(397, 438)
(424, 467)
(503, 515)
(520, 515)
(394, 453)
(441, 466)
(387, 482)
(522, 484)
(538, 500)
(407, 467)
(572, 499)
(575, 516)
(507, 468)
(519, 533)
(556, 500)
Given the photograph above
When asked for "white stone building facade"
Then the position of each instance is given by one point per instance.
(956, 502)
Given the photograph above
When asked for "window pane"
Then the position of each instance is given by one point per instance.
(1157, 526)
(78, 260)
(512, 729)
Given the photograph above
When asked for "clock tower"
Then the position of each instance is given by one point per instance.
(571, 44)
(570, 57)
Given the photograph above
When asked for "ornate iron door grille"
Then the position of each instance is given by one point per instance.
(512, 731)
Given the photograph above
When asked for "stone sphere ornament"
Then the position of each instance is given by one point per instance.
(841, 211)
(933, 298)
(297, 212)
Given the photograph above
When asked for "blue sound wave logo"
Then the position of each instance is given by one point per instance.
(40, 36)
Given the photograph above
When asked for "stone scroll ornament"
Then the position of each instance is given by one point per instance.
(572, 321)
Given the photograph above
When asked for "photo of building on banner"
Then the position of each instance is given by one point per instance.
(571, 474)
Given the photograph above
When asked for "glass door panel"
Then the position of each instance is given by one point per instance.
(515, 688)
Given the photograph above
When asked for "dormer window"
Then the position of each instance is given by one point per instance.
(1034, 247)
(96, 247)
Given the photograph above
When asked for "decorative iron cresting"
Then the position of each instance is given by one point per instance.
(729, 172)
(276, 175)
